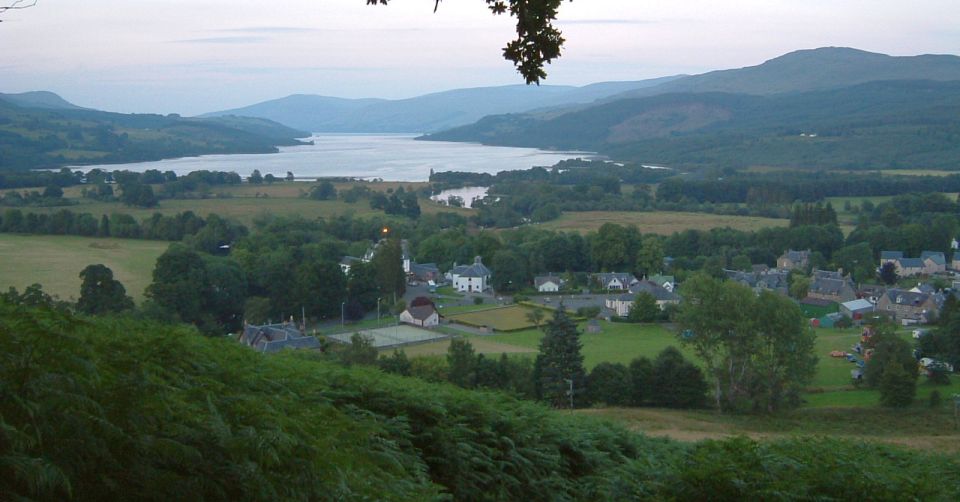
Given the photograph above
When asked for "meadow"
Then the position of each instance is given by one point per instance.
(245, 203)
(659, 222)
(55, 261)
(512, 318)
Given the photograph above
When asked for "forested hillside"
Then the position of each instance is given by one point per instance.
(45, 134)
(890, 124)
(100, 409)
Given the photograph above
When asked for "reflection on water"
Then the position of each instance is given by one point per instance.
(466, 195)
(395, 157)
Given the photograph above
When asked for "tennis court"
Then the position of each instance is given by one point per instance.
(393, 336)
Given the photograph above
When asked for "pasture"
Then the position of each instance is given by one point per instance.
(659, 222)
(245, 203)
(55, 261)
(510, 318)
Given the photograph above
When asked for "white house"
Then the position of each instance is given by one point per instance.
(470, 278)
(621, 304)
(547, 283)
(617, 281)
(425, 315)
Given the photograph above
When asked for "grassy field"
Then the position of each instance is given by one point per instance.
(501, 318)
(245, 202)
(56, 262)
(919, 427)
(659, 222)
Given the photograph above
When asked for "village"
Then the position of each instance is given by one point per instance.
(829, 298)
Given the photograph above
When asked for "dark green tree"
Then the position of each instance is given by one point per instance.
(510, 271)
(360, 352)
(462, 361)
(100, 293)
(609, 384)
(892, 367)
(324, 191)
(644, 308)
(641, 374)
(888, 273)
(396, 363)
(676, 382)
(255, 178)
(560, 362)
(388, 264)
(180, 284)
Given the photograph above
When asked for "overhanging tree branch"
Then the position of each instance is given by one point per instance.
(538, 42)
(17, 5)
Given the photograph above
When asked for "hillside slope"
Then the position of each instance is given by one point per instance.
(811, 70)
(99, 409)
(873, 125)
(44, 137)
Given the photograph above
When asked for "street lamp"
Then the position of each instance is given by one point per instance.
(378, 311)
(342, 305)
(570, 392)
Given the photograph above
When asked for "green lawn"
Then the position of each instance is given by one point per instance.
(509, 318)
(55, 261)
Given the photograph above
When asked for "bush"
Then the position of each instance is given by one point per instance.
(478, 300)
(935, 400)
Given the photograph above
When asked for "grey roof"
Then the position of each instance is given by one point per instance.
(422, 270)
(658, 291)
(827, 274)
(605, 278)
(478, 269)
(275, 337)
(797, 256)
(936, 256)
(772, 279)
(891, 255)
(926, 288)
(911, 263)
(908, 297)
(421, 312)
(828, 286)
(857, 305)
(349, 260)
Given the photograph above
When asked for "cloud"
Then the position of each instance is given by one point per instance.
(607, 21)
(221, 40)
(270, 29)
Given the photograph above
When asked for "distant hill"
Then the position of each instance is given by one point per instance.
(430, 112)
(873, 125)
(46, 133)
(811, 70)
(39, 99)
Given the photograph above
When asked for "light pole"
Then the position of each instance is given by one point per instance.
(570, 392)
(342, 305)
(378, 311)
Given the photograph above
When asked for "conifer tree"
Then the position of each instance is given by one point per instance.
(560, 361)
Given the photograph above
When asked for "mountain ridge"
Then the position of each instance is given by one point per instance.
(425, 113)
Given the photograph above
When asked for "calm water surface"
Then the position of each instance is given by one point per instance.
(391, 157)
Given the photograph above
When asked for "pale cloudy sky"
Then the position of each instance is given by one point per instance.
(194, 56)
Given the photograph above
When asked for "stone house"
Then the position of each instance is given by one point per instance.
(792, 259)
(905, 305)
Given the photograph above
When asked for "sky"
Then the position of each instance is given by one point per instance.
(196, 56)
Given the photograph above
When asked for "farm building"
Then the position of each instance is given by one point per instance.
(856, 309)
(421, 312)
